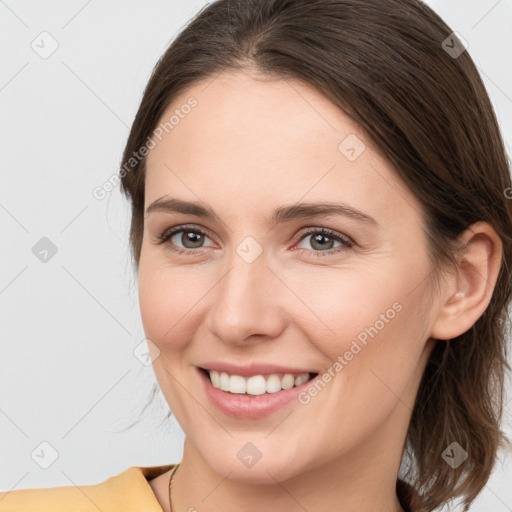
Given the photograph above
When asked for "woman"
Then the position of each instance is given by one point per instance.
(321, 229)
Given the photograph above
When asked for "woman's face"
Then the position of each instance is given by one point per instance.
(259, 285)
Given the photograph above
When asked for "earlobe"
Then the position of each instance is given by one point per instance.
(468, 293)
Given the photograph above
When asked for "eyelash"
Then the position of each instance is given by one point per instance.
(347, 242)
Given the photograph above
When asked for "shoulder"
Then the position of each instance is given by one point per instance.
(129, 491)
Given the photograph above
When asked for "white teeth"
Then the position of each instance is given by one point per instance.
(257, 384)
(215, 379)
(273, 384)
(224, 381)
(288, 381)
(237, 384)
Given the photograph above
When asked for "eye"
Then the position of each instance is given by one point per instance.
(192, 239)
(324, 239)
(190, 236)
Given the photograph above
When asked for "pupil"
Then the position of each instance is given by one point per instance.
(318, 237)
(191, 236)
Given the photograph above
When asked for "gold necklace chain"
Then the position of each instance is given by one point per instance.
(170, 483)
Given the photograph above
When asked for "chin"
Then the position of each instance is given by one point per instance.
(272, 466)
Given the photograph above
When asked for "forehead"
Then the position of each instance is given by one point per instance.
(252, 139)
(260, 117)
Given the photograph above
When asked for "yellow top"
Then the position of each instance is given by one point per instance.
(127, 492)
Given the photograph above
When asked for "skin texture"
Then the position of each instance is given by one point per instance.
(253, 144)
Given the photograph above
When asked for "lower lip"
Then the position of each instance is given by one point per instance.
(250, 406)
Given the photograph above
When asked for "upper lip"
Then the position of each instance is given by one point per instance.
(252, 369)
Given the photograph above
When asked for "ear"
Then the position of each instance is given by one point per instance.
(468, 291)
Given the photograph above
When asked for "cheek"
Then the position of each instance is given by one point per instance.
(163, 304)
(372, 328)
(341, 304)
(171, 298)
(374, 365)
(153, 303)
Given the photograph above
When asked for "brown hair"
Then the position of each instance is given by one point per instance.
(383, 62)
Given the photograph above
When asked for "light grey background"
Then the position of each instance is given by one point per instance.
(69, 326)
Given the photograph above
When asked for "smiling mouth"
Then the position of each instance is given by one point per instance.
(256, 384)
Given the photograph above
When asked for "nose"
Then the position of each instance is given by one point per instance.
(247, 303)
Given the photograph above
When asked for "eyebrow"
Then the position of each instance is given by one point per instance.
(281, 214)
